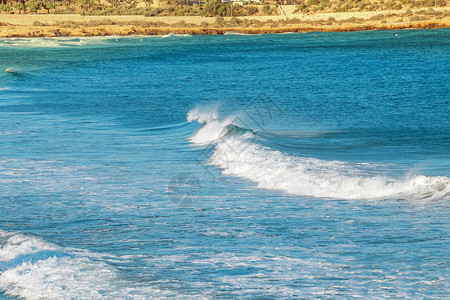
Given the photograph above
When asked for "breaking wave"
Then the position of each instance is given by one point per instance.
(176, 35)
(32, 268)
(54, 42)
(238, 153)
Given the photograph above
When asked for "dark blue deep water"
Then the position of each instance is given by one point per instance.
(263, 167)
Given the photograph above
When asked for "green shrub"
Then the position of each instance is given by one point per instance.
(216, 8)
(5, 8)
(33, 5)
(19, 6)
(47, 4)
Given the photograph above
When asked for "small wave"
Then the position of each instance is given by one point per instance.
(176, 35)
(239, 154)
(289, 32)
(32, 43)
(32, 268)
(18, 75)
(53, 42)
(12, 71)
(240, 33)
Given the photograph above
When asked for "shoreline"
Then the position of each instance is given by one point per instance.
(50, 25)
(53, 31)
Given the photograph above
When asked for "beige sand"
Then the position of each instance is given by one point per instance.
(22, 25)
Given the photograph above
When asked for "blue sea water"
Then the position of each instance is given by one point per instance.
(263, 167)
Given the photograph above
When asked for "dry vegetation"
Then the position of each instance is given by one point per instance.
(215, 19)
(147, 8)
(208, 8)
(220, 22)
(312, 6)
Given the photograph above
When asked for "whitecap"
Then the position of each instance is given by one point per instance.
(240, 33)
(240, 155)
(55, 42)
(176, 35)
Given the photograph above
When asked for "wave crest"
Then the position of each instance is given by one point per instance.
(238, 153)
(212, 129)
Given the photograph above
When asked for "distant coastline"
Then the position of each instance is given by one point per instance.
(53, 31)
(54, 25)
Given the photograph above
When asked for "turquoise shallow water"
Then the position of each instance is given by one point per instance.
(274, 166)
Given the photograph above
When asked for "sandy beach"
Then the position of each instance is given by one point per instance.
(50, 25)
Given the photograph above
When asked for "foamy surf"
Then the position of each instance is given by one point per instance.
(240, 33)
(239, 154)
(31, 268)
(54, 42)
(176, 35)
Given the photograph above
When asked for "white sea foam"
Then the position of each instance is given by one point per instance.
(53, 278)
(176, 35)
(214, 129)
(69, 274)
(238, 155)
(16, 244)
(240, 33)
(289, 32)
(53, 42)
(57, 42)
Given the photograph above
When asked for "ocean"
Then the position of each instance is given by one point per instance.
(289, 166)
